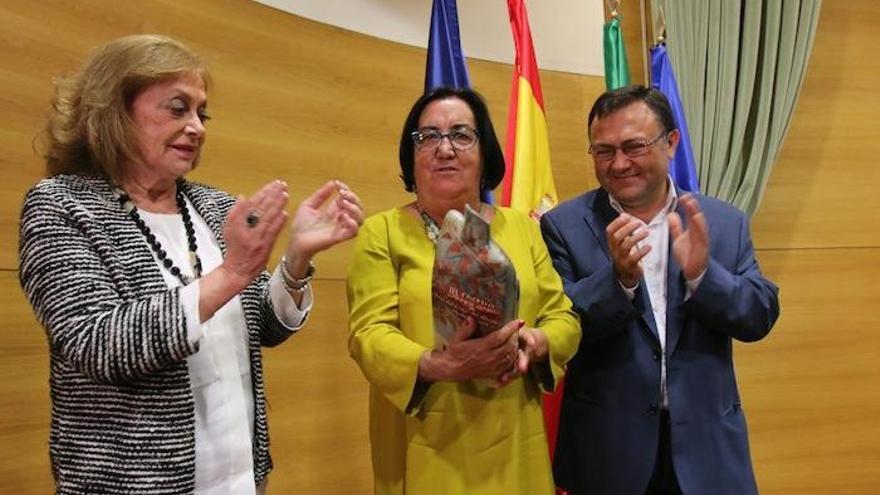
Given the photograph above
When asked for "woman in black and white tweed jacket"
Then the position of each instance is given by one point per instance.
(152, 289)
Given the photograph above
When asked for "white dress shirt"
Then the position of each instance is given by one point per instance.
(654, 267)
(219, 372)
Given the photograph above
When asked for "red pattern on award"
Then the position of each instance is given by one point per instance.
(472, 276)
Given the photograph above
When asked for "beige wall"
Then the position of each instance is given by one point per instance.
(306, 102)
(812, 390)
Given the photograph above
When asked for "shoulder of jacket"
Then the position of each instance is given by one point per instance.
(200, 190)
(577, 204)
(382, 221)
(715, 206)
(67, 188)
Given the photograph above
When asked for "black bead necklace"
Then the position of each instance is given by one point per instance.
(128, 206)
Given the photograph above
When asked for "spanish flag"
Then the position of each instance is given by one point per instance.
(528, 181)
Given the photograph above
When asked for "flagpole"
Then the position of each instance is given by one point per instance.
(644, 22)
(642, 11)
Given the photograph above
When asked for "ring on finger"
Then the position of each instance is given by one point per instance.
(252, 219)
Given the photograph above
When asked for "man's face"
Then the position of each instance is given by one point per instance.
(637, 182)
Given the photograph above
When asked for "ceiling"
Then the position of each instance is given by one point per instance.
(567, 34)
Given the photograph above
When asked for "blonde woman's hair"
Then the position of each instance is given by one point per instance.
(89, 130)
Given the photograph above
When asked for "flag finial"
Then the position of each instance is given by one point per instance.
(660, 28)
(613, 8)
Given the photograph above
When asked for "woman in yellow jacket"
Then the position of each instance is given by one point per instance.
(437, 423)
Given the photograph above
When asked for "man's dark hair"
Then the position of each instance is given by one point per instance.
(490, 150)
(614, 100)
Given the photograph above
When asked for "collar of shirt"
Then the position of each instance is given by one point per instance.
(668, 207)
(655, 269)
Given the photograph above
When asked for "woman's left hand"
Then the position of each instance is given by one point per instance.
(533, 348)
(319, 224)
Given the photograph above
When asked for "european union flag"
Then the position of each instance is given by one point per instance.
(683, 169)
(446, 64)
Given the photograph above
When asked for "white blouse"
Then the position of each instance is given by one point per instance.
(219, 372)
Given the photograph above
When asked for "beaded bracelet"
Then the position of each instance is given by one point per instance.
(293, 284)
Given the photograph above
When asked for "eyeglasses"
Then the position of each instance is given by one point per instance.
(632, 148)
(461, 138)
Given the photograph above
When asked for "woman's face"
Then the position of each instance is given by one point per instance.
(444, 172)
(170, 118)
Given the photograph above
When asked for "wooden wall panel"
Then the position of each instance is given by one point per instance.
(810, 389)
(814, 385)
(318, 406)
(822, 192)
(24, 395)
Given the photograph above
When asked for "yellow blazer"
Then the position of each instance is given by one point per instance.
(455, 438)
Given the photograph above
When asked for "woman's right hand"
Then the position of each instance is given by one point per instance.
(465, 358)
(248, 243)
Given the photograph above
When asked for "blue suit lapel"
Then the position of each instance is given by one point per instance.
(675, 292)
(599, 214)
(643, 303)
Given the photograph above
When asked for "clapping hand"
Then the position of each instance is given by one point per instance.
(250, 232)
(690, 246)
(321, 222)
(623, 235)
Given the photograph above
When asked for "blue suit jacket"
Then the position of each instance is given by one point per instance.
(609, 424)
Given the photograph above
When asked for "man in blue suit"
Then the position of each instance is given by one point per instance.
(663, 281)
